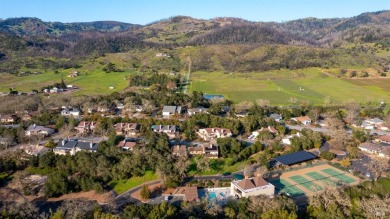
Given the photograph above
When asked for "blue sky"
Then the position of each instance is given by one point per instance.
(146, 11)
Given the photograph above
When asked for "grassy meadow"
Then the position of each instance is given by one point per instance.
(121, 186)
(280, 86)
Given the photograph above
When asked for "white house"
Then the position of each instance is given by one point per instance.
(171, 110)
(73, 146)
(170, 130)
(67, 113)
(198, 110)
(39, 130)
(251, 187)
(214, 133)
(376, 149)
(276, 117)
(305, 120)
(287, 140)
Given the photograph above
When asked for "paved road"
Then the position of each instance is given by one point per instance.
(125, 198)
(300, 127)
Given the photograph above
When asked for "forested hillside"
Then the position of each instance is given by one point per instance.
(227, 44)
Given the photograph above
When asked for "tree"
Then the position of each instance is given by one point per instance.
(202, 164)
(345, 162)
(327, 155)
(145, 192)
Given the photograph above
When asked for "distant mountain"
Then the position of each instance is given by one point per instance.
(35, 26)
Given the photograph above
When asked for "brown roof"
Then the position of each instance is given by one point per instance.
(191, 194)
(302, 118)
(370, 146)
(252, 183)
(246, 184)
(385, 138)
(259, 181)
(126, 144)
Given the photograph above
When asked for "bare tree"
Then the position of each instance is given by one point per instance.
(353, 112)
(243, 106)
(378, 166)
(182, 164)
(263, 102)
(248, 171)
(202, 164)
(261, 171)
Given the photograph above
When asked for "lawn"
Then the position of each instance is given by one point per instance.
(280, 86)
(217, 166)
(90, 81)
(120, 186)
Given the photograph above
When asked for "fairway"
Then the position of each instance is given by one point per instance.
(282, 87)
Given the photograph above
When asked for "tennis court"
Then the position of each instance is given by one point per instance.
(309, 180)
(282, 185)
(324, 179)
(307, 184)
(340, 176)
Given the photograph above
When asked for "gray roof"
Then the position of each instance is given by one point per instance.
(172, 109)
(38, 128)
(64, 144)
(275, 116)
(164, 127)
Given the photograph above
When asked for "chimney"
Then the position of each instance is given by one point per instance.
(34, 125)
(63, 142)
(91, 145)
(246, 177)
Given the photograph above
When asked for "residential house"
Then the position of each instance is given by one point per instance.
(179, 151)
(257, 132)
(374, 123)
(385, 139)
(376, 149)
(191, 194)
(305, 120)
(276, 117)
(208, 150)
(55, 90)
(170, 130)
(127, 144)
(73, 146)
(251, 187)
(34, 129)
(70, 112)
(8, 119)
(171, 110)
(163, 54)
(287, 140)
(198, 110)
(73, 74)
(86, 127)
(127, 129)
(214, 133)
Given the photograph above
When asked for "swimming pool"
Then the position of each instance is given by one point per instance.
(212, 196)
(212, 96)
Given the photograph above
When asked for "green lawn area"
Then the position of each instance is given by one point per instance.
(279, 86)
(120, 186)
(90, 81)
(217, 166)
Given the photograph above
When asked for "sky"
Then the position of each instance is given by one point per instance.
(147, 11)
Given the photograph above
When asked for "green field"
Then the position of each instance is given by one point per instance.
(120, 186)
(89, 82)
(280, 86)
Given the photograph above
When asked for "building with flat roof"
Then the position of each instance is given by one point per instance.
(294, 158)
